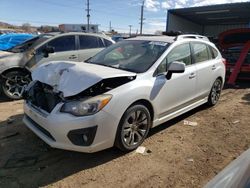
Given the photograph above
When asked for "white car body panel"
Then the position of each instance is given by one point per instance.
(62, 56)
(83, 55)
(169, 98)
(63, 75)
(236, 174)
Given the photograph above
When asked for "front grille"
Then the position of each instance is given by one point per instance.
(44, 131)
(42, 96)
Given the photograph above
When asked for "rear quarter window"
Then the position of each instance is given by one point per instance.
(107, 42)
(214, 52)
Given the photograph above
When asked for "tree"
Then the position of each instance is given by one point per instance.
(158, 32)
(26, 27)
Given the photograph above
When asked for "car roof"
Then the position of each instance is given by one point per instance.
(79, 33)
(161, 38)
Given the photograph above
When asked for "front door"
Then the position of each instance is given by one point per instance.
(64, 50)
(179, 91)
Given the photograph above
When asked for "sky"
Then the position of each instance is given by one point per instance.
(121, 13)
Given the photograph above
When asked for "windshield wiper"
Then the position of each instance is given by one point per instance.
(106, 65)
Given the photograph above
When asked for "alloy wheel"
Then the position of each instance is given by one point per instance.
(216, 90)
(135, 127)
(14, 85)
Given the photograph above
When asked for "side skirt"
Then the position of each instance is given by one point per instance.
(179, 112)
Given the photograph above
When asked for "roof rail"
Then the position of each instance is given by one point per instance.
(190, 36)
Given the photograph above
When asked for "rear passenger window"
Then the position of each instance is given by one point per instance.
(200, 52)
(214, 52)
(87, 42)
(64, 43)
(210, 53)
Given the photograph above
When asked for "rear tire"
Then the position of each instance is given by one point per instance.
(215, 92)
(133, 128)
(13, 83)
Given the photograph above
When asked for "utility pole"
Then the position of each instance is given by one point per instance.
(88, 15)
(141, 23)
(110, 28)
(130, 30)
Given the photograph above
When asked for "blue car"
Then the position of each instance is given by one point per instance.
(8, 41)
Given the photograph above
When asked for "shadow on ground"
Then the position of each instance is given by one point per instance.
(3, 98)
(246, 98)
(33, 163)
(26, 161)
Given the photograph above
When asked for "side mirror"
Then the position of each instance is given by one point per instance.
(48, 50)
(175, 67)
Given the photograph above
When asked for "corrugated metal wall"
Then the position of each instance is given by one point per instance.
(214, 30)
(176, 23)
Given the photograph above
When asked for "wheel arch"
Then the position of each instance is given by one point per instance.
(21, 69)
(147, 104)
(221, 79)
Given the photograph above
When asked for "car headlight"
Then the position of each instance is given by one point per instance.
(86, 107)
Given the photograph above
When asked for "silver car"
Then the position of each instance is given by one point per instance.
(114, 98)
(17, 63)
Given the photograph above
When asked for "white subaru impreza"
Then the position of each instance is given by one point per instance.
(114, 98)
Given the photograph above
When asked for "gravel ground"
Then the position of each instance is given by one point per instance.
(179, 155)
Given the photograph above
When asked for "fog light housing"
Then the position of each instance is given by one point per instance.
(85, 138)
(82, 137)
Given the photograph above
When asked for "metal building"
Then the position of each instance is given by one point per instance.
(209, 20)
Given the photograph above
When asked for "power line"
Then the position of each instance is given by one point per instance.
(33, 21)
(59, 4)
(75, 7)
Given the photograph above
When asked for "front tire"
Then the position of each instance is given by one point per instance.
(13, 83)
(215, 92)
(133, 128)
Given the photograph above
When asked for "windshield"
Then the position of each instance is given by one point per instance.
(131, 55)
(29, 43)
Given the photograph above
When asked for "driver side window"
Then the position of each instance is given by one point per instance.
(180, 53)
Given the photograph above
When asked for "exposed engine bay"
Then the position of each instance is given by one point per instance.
(43, 96)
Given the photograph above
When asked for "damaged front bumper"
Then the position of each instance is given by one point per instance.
(65, 131)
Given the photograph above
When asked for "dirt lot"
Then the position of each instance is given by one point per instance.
(180, 155)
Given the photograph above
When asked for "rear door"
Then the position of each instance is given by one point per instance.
(89, 46)
(205, 65)
(64, 47)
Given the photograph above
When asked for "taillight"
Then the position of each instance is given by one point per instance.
(224, 61)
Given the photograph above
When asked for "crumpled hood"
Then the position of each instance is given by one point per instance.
(71, 78)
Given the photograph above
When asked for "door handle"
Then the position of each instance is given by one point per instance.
(213, 67)
(192, 75)
(72, 57)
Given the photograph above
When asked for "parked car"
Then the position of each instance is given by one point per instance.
(10, 40)
(17, 64)
(115, 97)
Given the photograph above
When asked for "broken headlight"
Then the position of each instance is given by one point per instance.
(86, 107)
